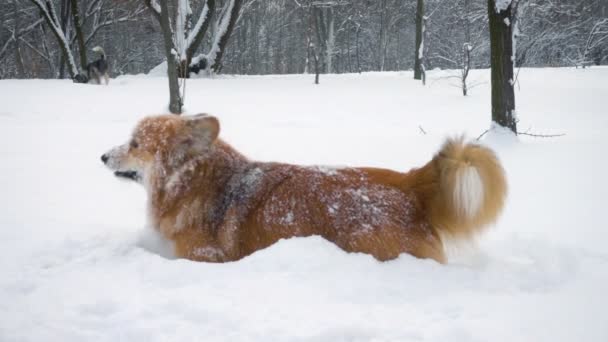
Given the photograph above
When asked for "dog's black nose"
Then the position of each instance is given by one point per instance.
(104, 158)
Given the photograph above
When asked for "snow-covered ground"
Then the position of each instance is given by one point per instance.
(78, 264)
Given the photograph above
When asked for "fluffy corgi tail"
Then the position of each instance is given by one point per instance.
(468, 191)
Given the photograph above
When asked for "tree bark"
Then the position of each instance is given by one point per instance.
(501, 52)
(18, 58)
(64, 12)
(331, 39)
(358, 50)
(317, 69)
(175, 100)
(466, 48)
(79, 34)
(320, 29)
(418, 51)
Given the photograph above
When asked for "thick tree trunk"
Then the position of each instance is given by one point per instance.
(79, 34)
(64, 12)
(175, 100)
(18, 57)
(331, 41)
(321, 34)
(501, 51)
(418, 52)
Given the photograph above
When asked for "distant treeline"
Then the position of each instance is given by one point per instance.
(283, 36)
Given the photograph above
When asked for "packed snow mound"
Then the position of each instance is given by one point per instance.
(159, 70)
(80, 264)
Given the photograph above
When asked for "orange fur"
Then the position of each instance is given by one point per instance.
(217, 206)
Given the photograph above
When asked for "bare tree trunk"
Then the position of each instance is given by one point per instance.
(349, 58)
(18, 57)
(79, 35)
(308, 44)
(466, 67)
(64, 12)
(317, 14)
(317, 69)
(383, 37)
(331, 40)
(324, 31)
(419, 51)
(314, 47)
(47, 9)
(501, 46)
(466, 49)
(52, 66)
(175, 100)
(358, 50)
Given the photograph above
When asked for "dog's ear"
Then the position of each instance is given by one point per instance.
(202, 130)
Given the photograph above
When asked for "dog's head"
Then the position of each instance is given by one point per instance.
(161, 144)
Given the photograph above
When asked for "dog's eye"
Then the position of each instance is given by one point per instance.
(134, 144)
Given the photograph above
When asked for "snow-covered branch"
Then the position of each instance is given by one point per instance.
(222, 28)
(225, 25)
(47, 9)
(200, 28)
(16, 35)
(203, 20)
(154, 8)
(182, 27)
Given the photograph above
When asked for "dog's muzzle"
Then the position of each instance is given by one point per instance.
(128, 174)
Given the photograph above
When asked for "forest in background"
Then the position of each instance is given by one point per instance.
(282, 36)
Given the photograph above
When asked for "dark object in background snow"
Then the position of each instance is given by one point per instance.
(197, 67)
(98, 68)
(80, 78)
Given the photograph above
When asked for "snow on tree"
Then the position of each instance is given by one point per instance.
(277, 36)
(181, 39)
(187, 38)
(48, 12)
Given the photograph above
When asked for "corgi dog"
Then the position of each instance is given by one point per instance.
(216, 205)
